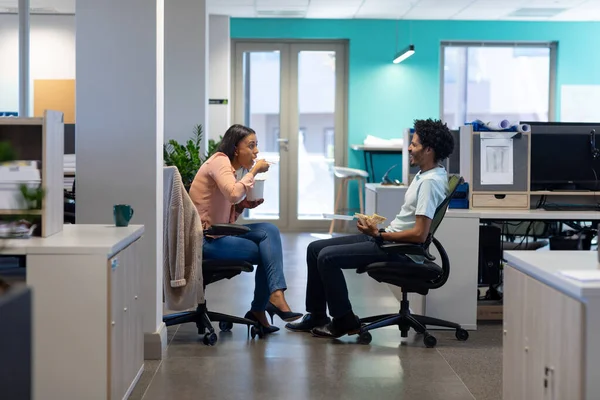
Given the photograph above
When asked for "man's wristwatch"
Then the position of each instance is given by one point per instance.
(379, 238)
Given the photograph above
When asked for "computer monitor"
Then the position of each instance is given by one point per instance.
(453, 162)
(562, 156)
(69, 138)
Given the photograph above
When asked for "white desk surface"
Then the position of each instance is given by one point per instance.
(544, 266)
(76, 239)
(502, 214)
(391, 149)
(379, 186)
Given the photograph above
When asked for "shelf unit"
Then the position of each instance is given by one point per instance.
(515, 196)
(42, 139)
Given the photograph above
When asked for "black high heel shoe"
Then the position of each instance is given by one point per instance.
(266, 329)
(287, 316)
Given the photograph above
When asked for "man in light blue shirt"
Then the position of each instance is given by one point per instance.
(431, 143)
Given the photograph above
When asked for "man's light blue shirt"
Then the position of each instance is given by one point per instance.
(423, 196)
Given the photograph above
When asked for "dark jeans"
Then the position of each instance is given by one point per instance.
(326, 259)
(260, 246)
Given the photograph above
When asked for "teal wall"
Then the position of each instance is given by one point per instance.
(384, 98)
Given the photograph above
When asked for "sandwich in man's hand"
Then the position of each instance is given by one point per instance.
(370, 220)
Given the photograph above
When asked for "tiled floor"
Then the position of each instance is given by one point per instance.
(291, 365)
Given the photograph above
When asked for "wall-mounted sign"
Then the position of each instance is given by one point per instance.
(218, 101)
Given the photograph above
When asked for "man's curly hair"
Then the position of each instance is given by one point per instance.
(435, 135)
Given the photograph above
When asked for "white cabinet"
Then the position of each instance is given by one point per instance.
(385, 200)
(87, 312)
(126, 336)
(543, 345)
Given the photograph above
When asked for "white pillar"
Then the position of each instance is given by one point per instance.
(186, 68)
(24, 59)
(120, 107)
(219, 60)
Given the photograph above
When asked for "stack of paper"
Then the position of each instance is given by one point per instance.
(377, 141)
(588, 275)
(69, 164)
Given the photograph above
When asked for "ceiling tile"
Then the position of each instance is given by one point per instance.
(230, 3)
(336, 3)
(328, 9)
(552, 3)
(277, 4)
(384, 9)
(484, 13)
(577, 10)
(443, 12)
(331, 12)
(236, 11)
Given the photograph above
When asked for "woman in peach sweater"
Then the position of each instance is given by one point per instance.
(220, 198)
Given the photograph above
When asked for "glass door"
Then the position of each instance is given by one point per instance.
(293, 95)
(259, 75)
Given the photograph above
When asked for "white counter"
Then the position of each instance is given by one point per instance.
(76, 239)
(537, 214)
(544, 266)
(551, 342)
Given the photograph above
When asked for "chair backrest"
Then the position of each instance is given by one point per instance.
(453, 182)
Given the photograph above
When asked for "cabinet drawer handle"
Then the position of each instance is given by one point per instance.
(114, 263)
(136, 297)
(113, 323)
(125, 309)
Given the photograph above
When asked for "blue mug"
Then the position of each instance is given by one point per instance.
(122, 214)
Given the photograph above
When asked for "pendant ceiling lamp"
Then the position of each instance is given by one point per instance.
(408, 51)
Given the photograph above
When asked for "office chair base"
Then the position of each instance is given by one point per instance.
(203, 320)
(405, 321)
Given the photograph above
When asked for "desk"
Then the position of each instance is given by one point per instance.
(456, 301)
(551, 326)
(87, 315)
(368, 152)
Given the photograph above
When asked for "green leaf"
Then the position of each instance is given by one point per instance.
(188, 156)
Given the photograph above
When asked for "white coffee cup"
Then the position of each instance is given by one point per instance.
(257, 192)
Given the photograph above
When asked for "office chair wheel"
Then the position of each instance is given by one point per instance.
(430, 341)
(462, 334)
(365, 338)
(225, 326)
(210, 339)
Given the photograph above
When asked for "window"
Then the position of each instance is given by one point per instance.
(495, 81)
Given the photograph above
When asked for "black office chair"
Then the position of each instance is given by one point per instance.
(413, 278)
(214, 271)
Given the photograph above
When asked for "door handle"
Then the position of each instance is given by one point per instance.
(283, 143)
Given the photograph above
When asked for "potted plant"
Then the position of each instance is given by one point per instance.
(188, 157)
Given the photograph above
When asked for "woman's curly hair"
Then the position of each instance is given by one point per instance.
(435, 135)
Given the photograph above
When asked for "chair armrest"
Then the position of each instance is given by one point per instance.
(407, 249)
(226, 230)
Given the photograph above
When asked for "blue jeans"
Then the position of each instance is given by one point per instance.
(262, 247)
(326, 258)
